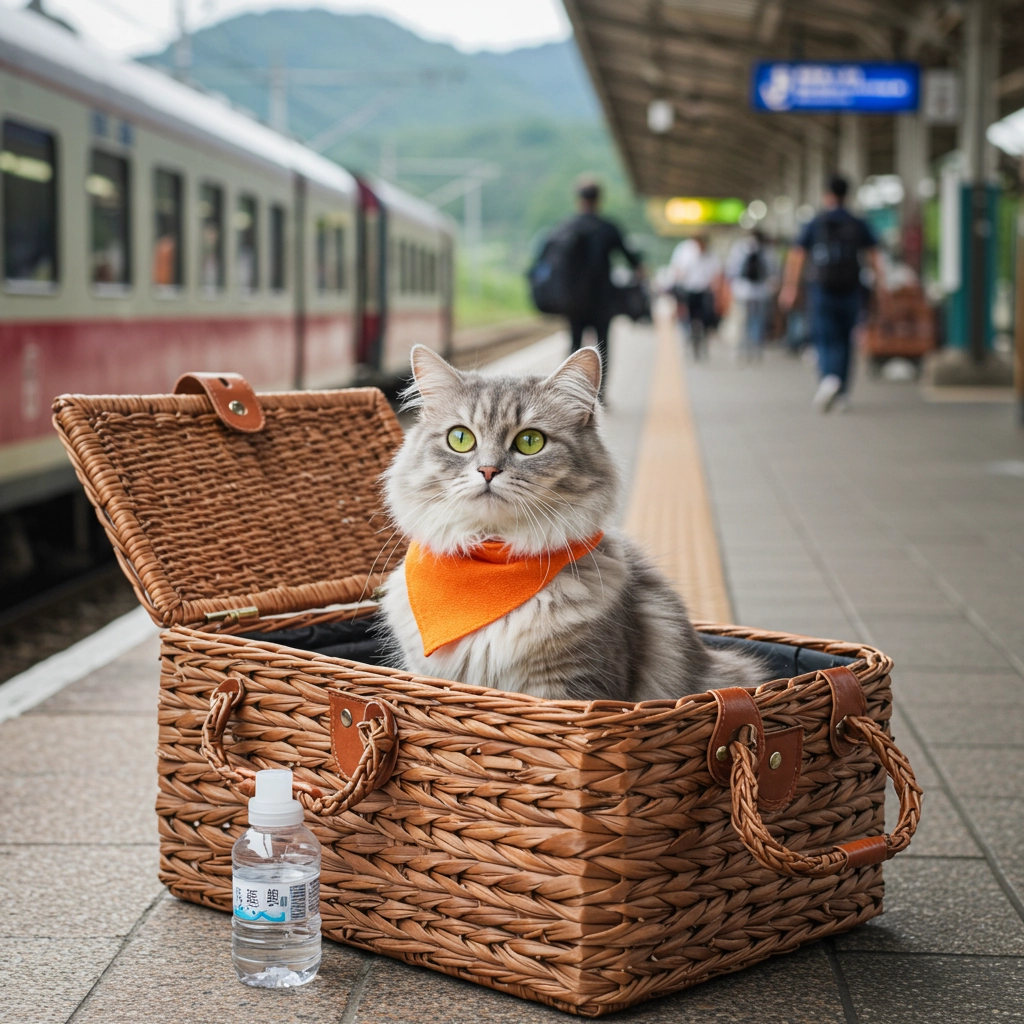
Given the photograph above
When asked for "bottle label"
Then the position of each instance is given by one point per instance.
(275, 902)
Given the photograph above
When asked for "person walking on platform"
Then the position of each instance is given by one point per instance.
(696, 276)
(834, 241)
(572, 275)
(753, 272)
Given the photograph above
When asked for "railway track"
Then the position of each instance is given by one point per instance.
(56, 618)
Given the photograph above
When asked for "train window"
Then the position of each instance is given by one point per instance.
(339, 256)
(110, 249)
(403, 267)
(28, 162)
(432, 272)
(277, 248)
(211, 237)
(321, 255)
(414, 269)
(247, 253)
(330, 256)
(168, 262)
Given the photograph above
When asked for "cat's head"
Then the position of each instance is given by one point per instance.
(519, 459)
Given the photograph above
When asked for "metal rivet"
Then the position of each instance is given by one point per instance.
(722, 753)
(237, 408)
(775, 760)
(346, 717)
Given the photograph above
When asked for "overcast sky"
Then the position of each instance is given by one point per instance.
(142, 26)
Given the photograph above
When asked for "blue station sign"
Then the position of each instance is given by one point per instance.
(835, 88)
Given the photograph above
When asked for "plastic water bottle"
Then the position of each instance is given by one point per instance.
(275, 878)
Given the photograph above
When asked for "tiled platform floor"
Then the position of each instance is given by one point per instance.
(897, 523)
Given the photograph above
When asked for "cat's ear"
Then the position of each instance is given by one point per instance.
(431, 375)
(578, 381)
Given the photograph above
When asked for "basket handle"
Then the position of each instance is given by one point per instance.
(770, 853)
(378, 734)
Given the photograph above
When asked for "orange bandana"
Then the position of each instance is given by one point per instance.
(455, 595)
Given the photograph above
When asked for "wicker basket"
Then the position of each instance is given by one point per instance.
(586, 855)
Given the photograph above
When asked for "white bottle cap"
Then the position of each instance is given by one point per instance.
(273, 804)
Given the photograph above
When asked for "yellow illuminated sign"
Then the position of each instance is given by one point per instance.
(676, 215)
(686, 211)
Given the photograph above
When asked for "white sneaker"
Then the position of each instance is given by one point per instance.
(826, 393)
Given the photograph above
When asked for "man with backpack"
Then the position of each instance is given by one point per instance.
(572, 275)
(753, 275)
(832, 244)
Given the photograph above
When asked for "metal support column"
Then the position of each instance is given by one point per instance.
(911, 140)
(981, 68)
(814, 162)
(853, 156)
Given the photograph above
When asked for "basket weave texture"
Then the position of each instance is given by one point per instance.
(578, 854)
(204, 518)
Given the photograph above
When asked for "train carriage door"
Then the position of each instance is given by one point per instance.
(302, 284)
(371, 279)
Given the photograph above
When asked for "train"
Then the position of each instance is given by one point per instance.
(150, 229)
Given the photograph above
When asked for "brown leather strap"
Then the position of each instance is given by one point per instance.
(234, 401)
(847, 702)
(347, 712)
(736, 709)
(862, 852)
(779, 770)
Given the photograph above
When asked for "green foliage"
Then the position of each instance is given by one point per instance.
(496, 294)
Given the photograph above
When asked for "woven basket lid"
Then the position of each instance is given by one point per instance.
(206, 519)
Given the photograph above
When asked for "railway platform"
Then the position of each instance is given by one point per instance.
(900, 524)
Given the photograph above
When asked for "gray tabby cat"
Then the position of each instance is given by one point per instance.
(608, 626)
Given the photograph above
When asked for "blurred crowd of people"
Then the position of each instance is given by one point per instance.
(809, 294)
(813, 292)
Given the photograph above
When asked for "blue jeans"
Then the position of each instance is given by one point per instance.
(833, 317)
(757, 322)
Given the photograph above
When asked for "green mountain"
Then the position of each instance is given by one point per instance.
(378, 95)
(429, 83)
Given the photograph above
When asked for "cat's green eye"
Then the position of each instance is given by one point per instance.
(461, 440)
(529, 442)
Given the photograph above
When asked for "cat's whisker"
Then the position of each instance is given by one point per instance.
(546, 511)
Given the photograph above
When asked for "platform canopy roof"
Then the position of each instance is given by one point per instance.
(698, 54)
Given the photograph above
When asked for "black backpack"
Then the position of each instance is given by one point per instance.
(834, 253)
(560, 276)
(753, 269)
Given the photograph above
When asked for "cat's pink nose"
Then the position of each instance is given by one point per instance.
(489, 472)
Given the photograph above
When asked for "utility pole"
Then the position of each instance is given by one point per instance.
(278, 101)
(388, 160)
(182, 45)
(473, 215)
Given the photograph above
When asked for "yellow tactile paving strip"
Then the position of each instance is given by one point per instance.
(669, 511)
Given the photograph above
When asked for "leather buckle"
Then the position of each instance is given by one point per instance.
(231, 395)
(347, 712)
